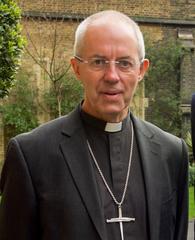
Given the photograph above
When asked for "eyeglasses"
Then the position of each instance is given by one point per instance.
(100, 64)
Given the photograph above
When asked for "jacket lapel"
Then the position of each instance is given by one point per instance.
(150, 153)
(76, 155)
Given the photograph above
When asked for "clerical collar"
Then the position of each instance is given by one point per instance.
(103, 125)
(113, 127)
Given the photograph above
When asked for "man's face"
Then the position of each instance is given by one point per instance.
(108, 91)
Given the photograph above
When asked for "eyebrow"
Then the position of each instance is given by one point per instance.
(104, 57)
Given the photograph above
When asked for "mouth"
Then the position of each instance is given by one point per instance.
(112, 95)
(111, 92)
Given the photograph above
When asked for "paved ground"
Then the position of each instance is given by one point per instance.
(191, 229)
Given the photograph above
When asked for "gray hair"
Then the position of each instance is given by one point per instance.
(82, 28)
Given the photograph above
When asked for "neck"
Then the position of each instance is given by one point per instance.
(108, 117)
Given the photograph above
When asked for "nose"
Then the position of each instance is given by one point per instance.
(111, 73)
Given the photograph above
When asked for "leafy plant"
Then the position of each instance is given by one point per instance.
(19, 110)
(191, 203)
(69, 94)
(11, 44)
(163, 85)
(192, 175)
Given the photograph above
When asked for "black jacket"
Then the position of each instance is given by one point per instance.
(49, 189)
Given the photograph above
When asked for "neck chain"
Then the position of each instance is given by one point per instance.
(120, 219)
(118, 203)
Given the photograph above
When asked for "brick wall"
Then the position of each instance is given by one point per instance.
(42, 34)
(43, 38)
(188, 77)
(145, 8)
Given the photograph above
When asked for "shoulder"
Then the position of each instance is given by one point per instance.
(38, 141)
(168, 141)
(51, 132)
(43, 143)
(45, 130)
(152, 130)
(171, 151)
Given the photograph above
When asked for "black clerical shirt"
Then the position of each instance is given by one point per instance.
(112, 150)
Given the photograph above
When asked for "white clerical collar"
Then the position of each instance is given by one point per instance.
(113, 127)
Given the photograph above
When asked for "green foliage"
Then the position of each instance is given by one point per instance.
(188, 140)
(11, 44)
(163, 85)
(191, 202)
(19, 109)
(192, 175)
(62, 99)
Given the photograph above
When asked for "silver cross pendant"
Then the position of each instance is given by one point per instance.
(120, 219)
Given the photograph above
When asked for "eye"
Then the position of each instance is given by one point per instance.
(97, 62)
(126, 64)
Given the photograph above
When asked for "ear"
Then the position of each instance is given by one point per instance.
(143, 68)
(76, 67)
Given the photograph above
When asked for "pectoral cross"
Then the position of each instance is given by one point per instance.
(120, 219)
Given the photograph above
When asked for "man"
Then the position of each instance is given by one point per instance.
(98, 173)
